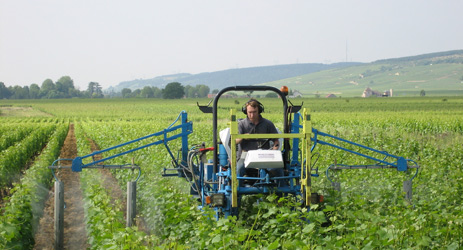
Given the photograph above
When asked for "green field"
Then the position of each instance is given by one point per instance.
(369, 213)
(405, 79)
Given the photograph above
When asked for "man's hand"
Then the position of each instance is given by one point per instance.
(276, 144)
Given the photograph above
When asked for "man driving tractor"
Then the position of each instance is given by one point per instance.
(254, 123)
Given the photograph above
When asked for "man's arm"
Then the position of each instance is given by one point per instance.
(240, 131)
(273, 130)
(238, 141)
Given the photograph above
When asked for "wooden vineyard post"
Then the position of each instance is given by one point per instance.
(131, 202)
(59, 214)
(408, 189)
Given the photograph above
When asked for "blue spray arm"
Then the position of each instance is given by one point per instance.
(186, 129)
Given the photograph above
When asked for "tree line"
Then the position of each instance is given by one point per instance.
(173, 90)
(64, 88)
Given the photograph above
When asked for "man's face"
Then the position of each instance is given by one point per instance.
(253, 113)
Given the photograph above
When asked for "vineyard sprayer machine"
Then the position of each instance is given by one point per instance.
(214, 179)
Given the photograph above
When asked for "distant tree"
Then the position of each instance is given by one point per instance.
(19, 92)
(271, 95)
(189, 91)
(147, 92)
(173, 90)
(422, 92)
(199, 90)
(203, 90)
(4, 91)
(90, 88)
(47, 88)
(99, 90)
(34, 91)
(65, 87)
(26, 92)
(75, 93)
(52, 94)
(157, 93)
(126, 92)
(14, 90)
(94, 90)
(215, 91)
(61, 90)
(136, 93)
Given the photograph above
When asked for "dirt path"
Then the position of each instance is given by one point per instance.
(111, 184)
(75, 236)
(74, 225)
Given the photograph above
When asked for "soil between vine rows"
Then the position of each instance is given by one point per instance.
(74, 226)
(115, 191)
(74, 222)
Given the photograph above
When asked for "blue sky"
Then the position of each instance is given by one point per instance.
(109, 41)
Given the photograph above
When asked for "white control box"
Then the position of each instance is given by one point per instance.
(263, 159)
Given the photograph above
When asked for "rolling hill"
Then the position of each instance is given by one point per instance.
(232, 77)
(436, 73)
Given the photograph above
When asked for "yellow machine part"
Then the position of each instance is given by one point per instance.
(304, 137)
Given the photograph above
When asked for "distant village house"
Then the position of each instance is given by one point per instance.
(369, 92)
(296, 94)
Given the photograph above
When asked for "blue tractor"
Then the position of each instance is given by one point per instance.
(217, 184)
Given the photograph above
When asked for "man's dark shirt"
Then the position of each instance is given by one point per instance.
(263, 127)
